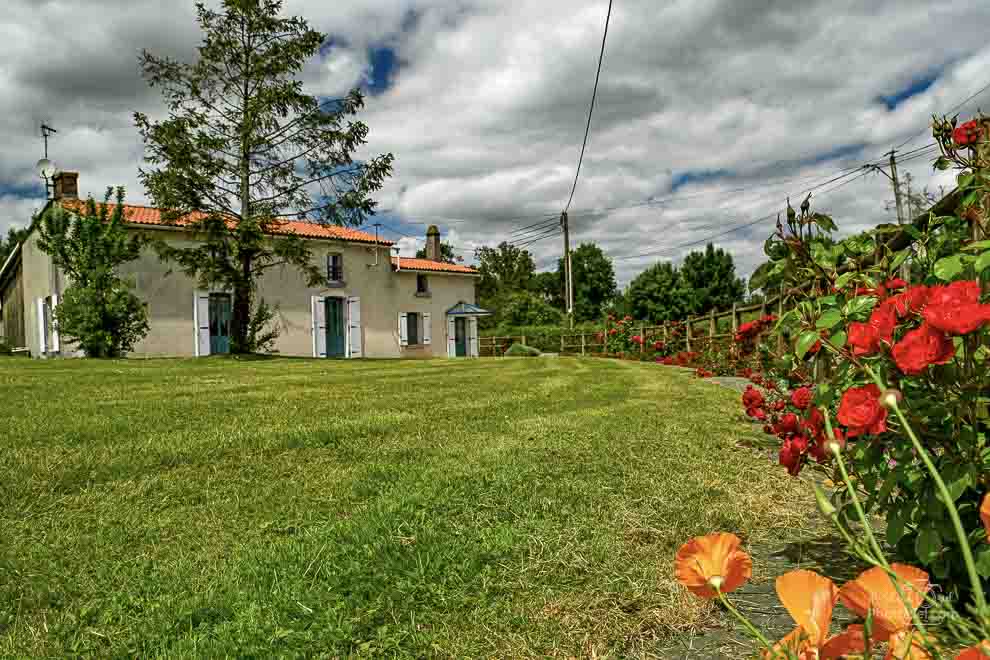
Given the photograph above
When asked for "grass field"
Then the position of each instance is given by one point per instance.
(293, 507)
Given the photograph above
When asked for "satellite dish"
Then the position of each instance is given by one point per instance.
(46, 168)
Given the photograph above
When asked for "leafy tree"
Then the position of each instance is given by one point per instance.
(657, 294)
(594, 281)
(710, 279)
(14, 237)
(527, 308)
(548, 285)
(244, 148)
(98, 310)
(447, 254)
(504, 270)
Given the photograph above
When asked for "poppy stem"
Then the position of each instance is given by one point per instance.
(947, 500)
(753, 630)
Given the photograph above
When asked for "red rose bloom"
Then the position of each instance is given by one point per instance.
(779, 405)
(789, 423)
(801, 398)
(757, 413)
(956, 308)
(861, 412)
(884, 320)
(922, 347)
(815, 423)
(790, 457)
(752, 397)
(911, 301)
(966, 134)
(863, 338)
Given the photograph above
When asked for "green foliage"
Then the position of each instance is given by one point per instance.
(549, 286)
(518, 350)
(709, 278)
(525, 308)
(656, 295)
(15, 236)
(262, 330)
(594, 281)
(245, 147)
(447, 254)
(98, 310)
(505, 270)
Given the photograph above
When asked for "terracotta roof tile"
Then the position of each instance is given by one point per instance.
(406, 263)
(146, 215)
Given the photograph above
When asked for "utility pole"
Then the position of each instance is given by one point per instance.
(568, 274)
(895, 181)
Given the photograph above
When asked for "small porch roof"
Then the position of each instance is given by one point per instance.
(467, 309)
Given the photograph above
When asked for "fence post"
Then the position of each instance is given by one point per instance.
(582, 344)
(687, 333)
(711, 326)
(735, 318)
(665, 339)
(763, 306)
(642, 339)
(523, 340)
(561, 342)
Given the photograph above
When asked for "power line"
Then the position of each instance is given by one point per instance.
(594, 93)
(954, 108)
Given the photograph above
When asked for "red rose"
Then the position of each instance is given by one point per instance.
(815, 422)
(801, 398)
(612, 332)
(922, 347)
(790, 457)
(911, 301)
(757, 413)
(779, 405)
(884, 320)
(956, 308)
(861, 412)
(752, 397)
(966, 134)
(863, 338)
(789, 423)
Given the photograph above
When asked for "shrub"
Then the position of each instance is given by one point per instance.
(518, 350)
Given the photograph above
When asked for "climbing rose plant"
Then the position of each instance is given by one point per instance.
(897, 315)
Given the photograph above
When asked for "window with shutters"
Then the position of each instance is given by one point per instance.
(412, 328)
(335, 268)
(422, 285)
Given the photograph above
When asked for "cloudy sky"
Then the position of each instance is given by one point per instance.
(709, 112)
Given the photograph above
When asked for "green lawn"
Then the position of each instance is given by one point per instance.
(296, 507)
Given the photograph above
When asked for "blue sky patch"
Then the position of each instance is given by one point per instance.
(24, 191)
(916, 86)
(688, 177)
(384, 64)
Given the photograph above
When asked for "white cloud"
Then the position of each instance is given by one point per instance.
(488, 106)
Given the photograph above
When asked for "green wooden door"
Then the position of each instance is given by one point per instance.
(220, 314)
(335, 328)
(460, 337)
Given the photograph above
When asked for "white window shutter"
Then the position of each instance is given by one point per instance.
(354, 327)
(427, 330)
(42, 335)
(451, 337)
(56, 343)
(403, 329)
(319, 326)
(201, 321)
(473, 335)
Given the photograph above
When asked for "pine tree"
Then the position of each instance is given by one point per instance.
(244, 149)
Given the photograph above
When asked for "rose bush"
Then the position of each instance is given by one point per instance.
(925, 340)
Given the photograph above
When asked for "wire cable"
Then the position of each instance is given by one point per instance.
(594, 93)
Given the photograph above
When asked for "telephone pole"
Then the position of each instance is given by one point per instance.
(568, 274)
(895, 181)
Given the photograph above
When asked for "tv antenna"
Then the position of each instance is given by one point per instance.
(46, 168)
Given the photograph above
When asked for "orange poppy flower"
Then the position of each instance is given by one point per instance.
(874, 590)
(985, 514)
(809, 598)
(712, 563)
(979, 652)
(907, 645)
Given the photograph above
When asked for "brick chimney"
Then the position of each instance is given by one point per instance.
(433, 243)
(66, 185)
